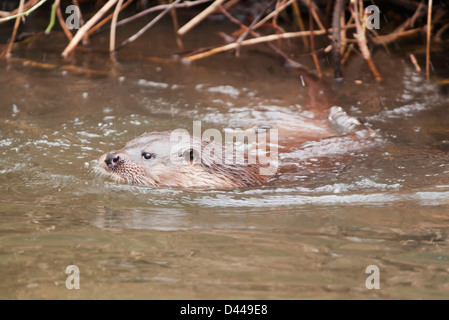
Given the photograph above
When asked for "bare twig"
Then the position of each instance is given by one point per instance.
(347, 53)
(80, 34)
(312, 42)
(313, 8)
(174, 18)
(440, 32)
(62, 23)
(336, 38)
(113, 25)
(200, 17)
(14, 32)
(251, 27)
(109, 17)
(361, 40)
(388, 38)
(300, 22)
(328, 13)
(26, 10)
(343, 37)
(230, 3)
(429, 32)
(410, 22)
(273, 13)
(373, 31)
(86, 35)
(148, 26)
(49, 66)
(415, 62)
(269, 38)
(275, 17)
(399, 31)
(145, 12)
(290, 62)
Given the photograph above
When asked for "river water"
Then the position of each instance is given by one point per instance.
(305, 234)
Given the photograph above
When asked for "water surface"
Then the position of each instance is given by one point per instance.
(308, 233)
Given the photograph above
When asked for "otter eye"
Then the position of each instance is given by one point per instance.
(147, 155)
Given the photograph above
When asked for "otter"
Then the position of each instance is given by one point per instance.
(177, 159)
(181, 160)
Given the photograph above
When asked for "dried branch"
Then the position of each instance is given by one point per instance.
(26, 10)
(86, 35)
(80, 34)
(347, 53)
(264, 39)
(314, 9)
(440, 32)
(200, 17)
(174, 18)
(361, 40)
(336, 38)
(399, 31)
(14, 32)
(114, 25)
(415, 62)
(230, 3)
(388, 38)
(312, 42)
(289, 61)
(143, 13)
(251, 27)
(273, 13)
(109, 17)
(300, 22)
(148, 26)
(62, 23)
(50, 66)
(429, 31)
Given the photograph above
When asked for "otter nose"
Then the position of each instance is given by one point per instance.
(112, 159)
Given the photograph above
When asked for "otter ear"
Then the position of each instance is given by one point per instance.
(191, 155)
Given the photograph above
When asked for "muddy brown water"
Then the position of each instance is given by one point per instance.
(308, 234)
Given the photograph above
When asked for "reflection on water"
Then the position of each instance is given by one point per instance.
(310, 232)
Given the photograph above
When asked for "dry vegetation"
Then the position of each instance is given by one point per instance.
(335, 26)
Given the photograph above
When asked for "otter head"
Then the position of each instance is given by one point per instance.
(180, 160)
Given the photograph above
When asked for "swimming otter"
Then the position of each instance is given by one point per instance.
(177, 159)
(174, 158)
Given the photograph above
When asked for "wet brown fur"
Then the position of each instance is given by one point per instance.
(209, 170)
